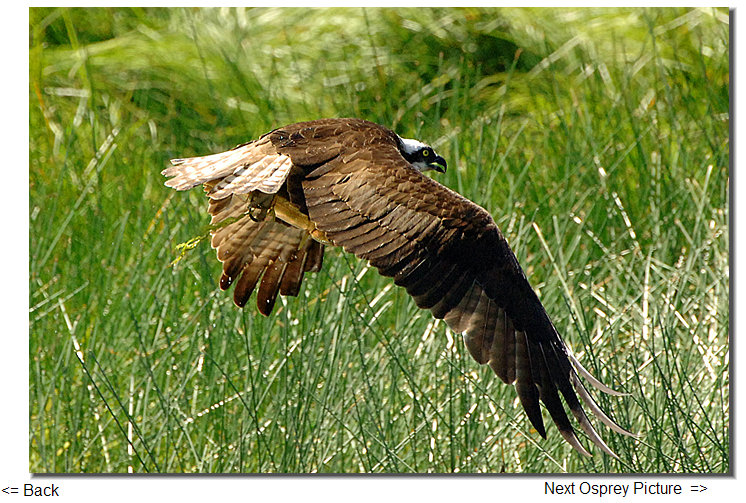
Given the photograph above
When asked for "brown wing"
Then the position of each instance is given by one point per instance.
(452, 259)
(252, 166)
(269, 250)
(263, 252)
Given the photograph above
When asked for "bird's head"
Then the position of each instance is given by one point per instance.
(421, 156)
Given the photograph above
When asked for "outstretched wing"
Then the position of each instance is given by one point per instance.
(252, 166)
(268, 249)
(254, 250)
(452, 259)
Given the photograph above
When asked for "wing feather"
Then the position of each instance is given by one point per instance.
(451, 258)
(459, 317)
(246, 283)
(291, 280)
(376, 236)
(525, 384)
(429, 275)
(270, 286)
(439, 287)
(502, 357)
(549, 396)
(342, 220)
(253, 166)
(453, 295)
(481, 328)
(277, 254)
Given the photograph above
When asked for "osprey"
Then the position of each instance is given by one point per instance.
(279, 200)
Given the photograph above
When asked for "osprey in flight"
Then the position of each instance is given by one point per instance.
(279, 200)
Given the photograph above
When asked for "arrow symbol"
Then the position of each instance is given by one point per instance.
(699, 488)
(10, 490)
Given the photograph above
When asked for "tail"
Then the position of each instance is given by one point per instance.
(246, 168)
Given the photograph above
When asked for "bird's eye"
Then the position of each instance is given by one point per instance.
(425, 153)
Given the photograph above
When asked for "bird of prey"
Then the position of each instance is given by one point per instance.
(279, 200)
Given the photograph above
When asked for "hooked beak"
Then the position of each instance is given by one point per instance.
(438, 164)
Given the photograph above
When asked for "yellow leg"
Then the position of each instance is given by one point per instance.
(290, 215)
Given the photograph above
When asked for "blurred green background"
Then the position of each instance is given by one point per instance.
(597, 138)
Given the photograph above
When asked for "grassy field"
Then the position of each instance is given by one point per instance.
(598, 139)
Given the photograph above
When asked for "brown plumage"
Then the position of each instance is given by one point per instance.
(358, 185)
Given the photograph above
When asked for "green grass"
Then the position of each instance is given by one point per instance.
(597, 138)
